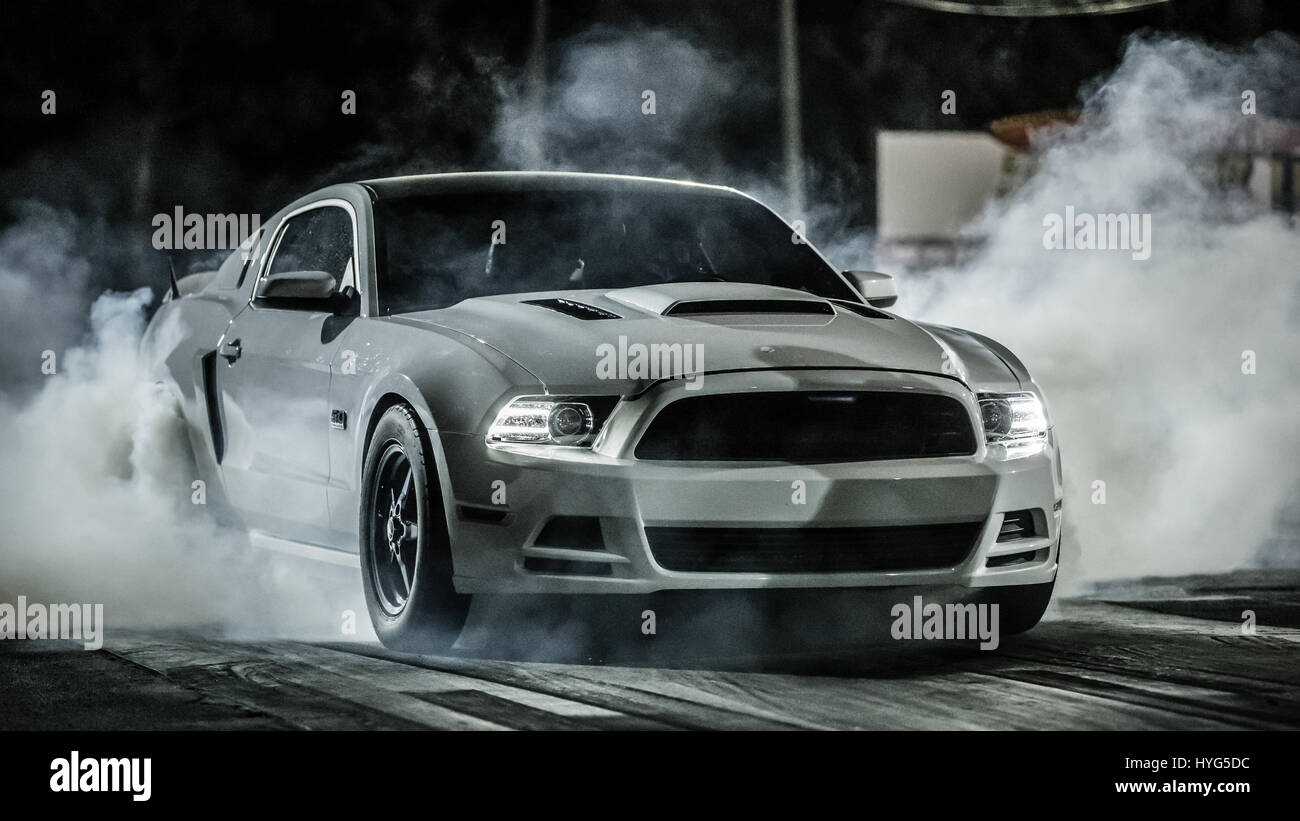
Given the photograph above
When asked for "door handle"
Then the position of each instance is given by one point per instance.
(229, 351)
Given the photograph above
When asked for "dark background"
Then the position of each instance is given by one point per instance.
(235, 106)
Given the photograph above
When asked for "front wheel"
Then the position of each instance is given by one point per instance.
(406, 561)
(1020, 607)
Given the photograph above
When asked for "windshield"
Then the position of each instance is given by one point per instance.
(437, 250)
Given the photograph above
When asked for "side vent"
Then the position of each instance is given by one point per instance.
(213, 405)
(750, 306)
(568, 307)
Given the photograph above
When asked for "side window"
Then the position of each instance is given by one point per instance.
(318, 240)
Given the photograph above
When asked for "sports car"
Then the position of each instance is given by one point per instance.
(563, 383)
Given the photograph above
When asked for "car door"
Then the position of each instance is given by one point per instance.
(273, 373)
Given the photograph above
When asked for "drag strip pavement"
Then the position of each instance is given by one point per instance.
(1096, 665)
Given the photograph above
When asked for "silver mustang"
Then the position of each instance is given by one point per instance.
(583, 383)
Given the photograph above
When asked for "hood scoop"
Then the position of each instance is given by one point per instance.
(749, 306)
(862, 310)
(573, 308)
(720, 298)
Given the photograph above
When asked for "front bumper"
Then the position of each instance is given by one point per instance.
(503, 497)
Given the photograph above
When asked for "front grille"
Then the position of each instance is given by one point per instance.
(812, 549)
(809, 426)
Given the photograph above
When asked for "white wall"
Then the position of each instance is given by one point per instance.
(931, 183)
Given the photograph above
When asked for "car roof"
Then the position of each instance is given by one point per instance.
(511, 181)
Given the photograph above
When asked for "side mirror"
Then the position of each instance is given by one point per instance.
(876, 288)
(345, 302)
(298, 285)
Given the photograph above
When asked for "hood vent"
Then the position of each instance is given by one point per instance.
(862, 310)
(750, 306)
(568, 307)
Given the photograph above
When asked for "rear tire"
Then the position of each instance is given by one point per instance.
(406, 563)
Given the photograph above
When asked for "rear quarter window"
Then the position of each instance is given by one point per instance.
(233, 273)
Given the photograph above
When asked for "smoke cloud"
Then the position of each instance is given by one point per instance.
(46, 284)
(99, 503)
(1142, 361)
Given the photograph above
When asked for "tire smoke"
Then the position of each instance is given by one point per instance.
(99, 503)
(1172, 381)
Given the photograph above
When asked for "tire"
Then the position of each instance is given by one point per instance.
(413, 604)
(1020, 607)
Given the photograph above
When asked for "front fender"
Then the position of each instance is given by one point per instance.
(984, 365)
(452, 386)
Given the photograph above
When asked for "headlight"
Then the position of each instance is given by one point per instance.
(1012, 417)
(551, 420)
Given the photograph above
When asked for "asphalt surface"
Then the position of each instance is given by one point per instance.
(1155, 654)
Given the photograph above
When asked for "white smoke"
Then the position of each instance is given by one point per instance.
(97, 501)
(625, 101)
(1142, 361)
(44, 280)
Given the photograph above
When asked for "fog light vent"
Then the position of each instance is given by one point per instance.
(573, 532)
(1018, 524)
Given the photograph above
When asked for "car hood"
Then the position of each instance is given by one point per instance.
(564, 337)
